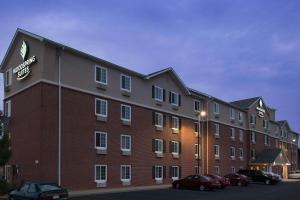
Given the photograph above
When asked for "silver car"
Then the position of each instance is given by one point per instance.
(294, 174)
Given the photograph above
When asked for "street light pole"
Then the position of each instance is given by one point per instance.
(198, 138)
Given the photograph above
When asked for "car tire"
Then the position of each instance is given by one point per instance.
(201, 188)
(267, 182)
(177, 186)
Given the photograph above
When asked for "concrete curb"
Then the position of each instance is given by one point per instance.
(116, 190)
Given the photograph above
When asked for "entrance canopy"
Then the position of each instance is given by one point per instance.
(271, 157)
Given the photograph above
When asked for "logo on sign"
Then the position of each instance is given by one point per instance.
(23, 70)
(260, 110)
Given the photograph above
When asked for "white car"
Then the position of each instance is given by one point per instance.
(294, 174)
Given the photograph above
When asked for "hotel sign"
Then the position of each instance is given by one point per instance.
(23, 70)
(260, 110)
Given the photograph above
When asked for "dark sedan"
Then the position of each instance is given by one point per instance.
(39, 191)
(237, 179)
(196, 182)
(224, 182)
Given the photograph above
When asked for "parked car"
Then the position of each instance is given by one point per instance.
(39, 191)
(223, 181)
(237, 179)
(196, 182)
(294, 174)
(277, 176)
(259, 176)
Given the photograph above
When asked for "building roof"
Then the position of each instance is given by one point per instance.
(271, 156)
(245, 103)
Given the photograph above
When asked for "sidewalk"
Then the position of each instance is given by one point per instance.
(116, 190)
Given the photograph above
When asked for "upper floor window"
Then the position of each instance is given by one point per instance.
(158, 119)
(158, 93)
(175, 147)
(197, 105)
(8, 77)
(7, 108)
(196, 127)
(232, 152)
(265, 124)
(253, 154)
(101, 140)
(175, 123)
(266, 139)
(126, 112)
(241, 153)
(232, 113)
(159, 146)
(253, 137)
(240, 116)
(100, 75)
(241, 135)
(216, 108)
(217, 151)
(125, 83)
(174, 98)
(217, 130)
(125, 142)
(101, 107)
(232, 133)
(252, 119)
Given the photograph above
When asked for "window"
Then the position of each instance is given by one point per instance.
(100, 173)
(217, 151)
(232, 169)
(125, 172)
(101, 140)
(159, 120)
(174, 98)
(197, 105)
(159, 146)
(241, 135)
(241, 153)
(7, 110)
(158, 94)
(125, 112)
(252, 119)
(217, 130)
(125, 83)
(196, 127)
(253, 137)
(101, 107)
(253, 154)
(158, 172)
(175, 147)
(125, 142)
(8, 77)
(232, 133)
(240, 116)
(174, 172)
(216, 108)
(232, 113)
(175, 123)
(197, 149)
(265, 124)
(217, 170)
(266, 139)
(232, 153)
(100, 75)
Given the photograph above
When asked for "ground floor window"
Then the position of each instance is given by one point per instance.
(100, 173)
(125, 172)
(217, 170)
(174, 172)
(232, 169)
(158, 172)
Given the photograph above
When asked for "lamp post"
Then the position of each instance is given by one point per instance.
(201, 114)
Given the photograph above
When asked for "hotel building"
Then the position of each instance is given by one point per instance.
(87, 123)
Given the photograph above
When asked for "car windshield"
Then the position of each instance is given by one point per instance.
(205, 178)
(48, 187)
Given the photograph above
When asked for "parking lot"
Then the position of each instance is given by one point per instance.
(281, 191)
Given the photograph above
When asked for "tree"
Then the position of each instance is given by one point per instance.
(5, 151)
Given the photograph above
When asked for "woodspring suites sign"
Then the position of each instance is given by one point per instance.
(23, 70)
(260, 110)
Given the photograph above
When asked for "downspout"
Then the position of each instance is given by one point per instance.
(207, 113)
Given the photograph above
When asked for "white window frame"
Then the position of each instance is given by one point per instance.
(99, 147)
(217, 170)
(121, 142)
(100, 180)
(176, 120)
(197, 149)
(232, 113)
(217, 130)
(8, 77)
(217, 152)
(198, 103)
(126, 107)
(232, 133)
(156, 172)
(106, 74)
(253, 137)
(176, 98)
(241, 135)
(7, 108)
(159, 146)
(177, 171)
(175, 143)
(158, 91)
(121, 173)
(121, 86)
(157, 121)
(253, 154)
(252, 118)
(216, 108)
(241, 151)
(106, 107)
(232, 150)
(240, 116)
(266, 140)
(232, 169)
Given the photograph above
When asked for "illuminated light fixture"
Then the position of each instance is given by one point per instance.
(202, 113)
(294, 140)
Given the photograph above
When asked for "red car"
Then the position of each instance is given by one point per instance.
(237, 179)
(196, 182)
(223, 181)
